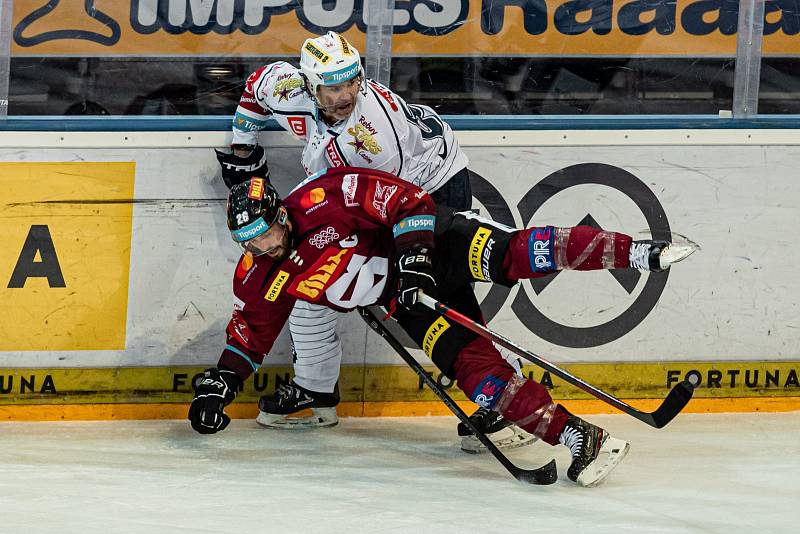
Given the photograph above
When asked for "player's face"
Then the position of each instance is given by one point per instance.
(338, 101)
(274, 242)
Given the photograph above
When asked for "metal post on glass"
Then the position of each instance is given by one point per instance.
(5, 54)
(380, 28)
(746, 77)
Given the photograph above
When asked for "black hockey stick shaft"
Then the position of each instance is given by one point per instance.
(676, 399)
(544, 475)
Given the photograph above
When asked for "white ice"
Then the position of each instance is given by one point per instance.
(720, 473)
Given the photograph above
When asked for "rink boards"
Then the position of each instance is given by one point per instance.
(116, 264)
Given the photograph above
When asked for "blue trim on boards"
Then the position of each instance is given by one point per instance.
(222, 123)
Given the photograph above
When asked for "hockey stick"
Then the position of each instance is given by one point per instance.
(544, 475)
(676, 400)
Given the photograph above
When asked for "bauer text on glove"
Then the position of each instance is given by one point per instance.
(416, 272)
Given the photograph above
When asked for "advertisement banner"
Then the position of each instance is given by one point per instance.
(398, 383)
(111, 294)
(542, 28)
(66, 234)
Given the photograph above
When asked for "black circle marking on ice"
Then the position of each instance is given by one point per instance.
(653, 211)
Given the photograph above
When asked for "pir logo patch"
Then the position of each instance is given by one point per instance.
(488, 391)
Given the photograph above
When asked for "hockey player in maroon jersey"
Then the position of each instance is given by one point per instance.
(345, 119)
(356, 237)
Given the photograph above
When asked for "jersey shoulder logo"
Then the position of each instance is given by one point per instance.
(284, 87)
(381, 196)
(245, 263)
(312, 197)
(298, 126)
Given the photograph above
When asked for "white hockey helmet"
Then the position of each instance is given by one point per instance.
(329, 60)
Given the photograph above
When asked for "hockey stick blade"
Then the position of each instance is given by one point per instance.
(541, 476)
(676, 399)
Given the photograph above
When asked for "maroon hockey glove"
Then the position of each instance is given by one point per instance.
(213, 390)
(416, 272)
(236, 169)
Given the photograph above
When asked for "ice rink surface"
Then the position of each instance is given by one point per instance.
(721, 473)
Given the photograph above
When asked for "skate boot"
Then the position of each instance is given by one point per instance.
(594, 452)
(276, 408)
(503, 433)
(657, 256)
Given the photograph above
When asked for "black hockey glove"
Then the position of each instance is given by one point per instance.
(213, 390)
(236, 169)
(416, 272)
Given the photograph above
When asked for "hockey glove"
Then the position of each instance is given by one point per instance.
(213, 390)
(416, 272)
(237, 169)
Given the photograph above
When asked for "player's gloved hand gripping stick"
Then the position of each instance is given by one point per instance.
(676, 400)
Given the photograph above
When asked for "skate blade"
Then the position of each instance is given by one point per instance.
(320, 418)
(506, 439)
(611, 453)
(681, 248)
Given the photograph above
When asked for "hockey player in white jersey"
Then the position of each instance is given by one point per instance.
(345, 120)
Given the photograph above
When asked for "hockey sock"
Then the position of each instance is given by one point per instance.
(490, 381)
(534, 252)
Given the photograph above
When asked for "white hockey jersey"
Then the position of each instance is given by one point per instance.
(383, 131)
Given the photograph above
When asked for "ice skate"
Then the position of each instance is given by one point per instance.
(503, 433)
(594, 452)
(657, 256)
(278, 409)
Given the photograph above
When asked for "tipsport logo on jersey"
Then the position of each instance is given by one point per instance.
(64, 264)
(450, 27)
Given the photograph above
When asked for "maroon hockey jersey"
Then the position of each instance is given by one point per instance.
(347, 226)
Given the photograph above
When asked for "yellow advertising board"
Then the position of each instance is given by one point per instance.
(387, 390)
(548, 28)
(398, 383)
(66, 235)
